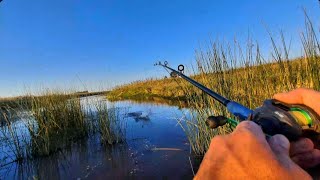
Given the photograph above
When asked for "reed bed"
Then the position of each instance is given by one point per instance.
(58, 120)
(54, 122)
(237, 71)
(111, 126)
(243, 75)
(10, 136)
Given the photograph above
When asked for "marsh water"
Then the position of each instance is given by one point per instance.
(155, 147)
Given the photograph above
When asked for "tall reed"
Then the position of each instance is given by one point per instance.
(109, 124)
(10, 136)
(58, 120)
(242, 74)
(55, 120)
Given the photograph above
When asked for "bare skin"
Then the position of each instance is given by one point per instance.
(245, 153)
(303, 152)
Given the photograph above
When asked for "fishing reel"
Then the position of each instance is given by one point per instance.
(275, 117)
(293, 121)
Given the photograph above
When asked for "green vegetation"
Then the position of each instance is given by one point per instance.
(255, 81)
(14, 102)
(239, 73)
(110, 125)
(59, 119)
(25, 101)
(9, 134)
(148, 90)
(53, 122)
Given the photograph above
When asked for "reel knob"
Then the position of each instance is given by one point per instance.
(216, 121)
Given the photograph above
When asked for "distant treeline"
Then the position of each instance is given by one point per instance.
(25, 101)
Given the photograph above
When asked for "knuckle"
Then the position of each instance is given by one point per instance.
(248, 130)
(247, 126)
(248, 135)
(301, 90)
(305, 143)
(217, 140)
(308, 141)
(220, 144)
(278, 139)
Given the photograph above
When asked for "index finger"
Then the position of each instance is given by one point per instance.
(308, 97)
(249, 127)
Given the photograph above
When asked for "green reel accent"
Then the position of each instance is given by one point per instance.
(303, 118)
(232, 122)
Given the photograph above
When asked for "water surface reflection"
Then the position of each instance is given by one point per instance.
(156, 147)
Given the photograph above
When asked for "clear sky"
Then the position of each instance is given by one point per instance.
(96, 44)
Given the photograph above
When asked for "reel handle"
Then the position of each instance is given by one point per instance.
(216, 121)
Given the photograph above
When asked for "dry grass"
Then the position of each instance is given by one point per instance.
(58, 120)
(110, 124)
(238, 72)
(148, 89)
(255, 81)
(55, 121)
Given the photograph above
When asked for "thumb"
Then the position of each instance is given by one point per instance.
(280, 145)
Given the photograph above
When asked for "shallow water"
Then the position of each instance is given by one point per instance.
(156, 147)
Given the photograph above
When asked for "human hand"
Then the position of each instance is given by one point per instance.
(302, 151)
(245, 153)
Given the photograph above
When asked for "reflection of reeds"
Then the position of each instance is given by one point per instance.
(244, 76)
(9, 134)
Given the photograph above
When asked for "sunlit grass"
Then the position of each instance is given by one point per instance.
(237, 71)
(55, 121)
(58, 120)
(109, 124)
(244, 76)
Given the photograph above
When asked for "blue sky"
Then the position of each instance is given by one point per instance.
(97, 44)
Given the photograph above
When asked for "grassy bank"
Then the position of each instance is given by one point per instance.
(176, 89)
(252, 83)
(147, 90)
(238, 72)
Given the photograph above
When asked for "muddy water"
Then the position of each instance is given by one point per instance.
(156, 147)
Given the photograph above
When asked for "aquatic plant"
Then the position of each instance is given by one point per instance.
(243, 75)
(109, 124)
(10, 136)
(54, 122)
(237, 71)
(57, 120)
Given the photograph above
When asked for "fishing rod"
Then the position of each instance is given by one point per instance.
(274, 117)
